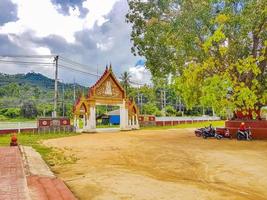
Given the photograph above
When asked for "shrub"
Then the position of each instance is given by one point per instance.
(170, 111)
(12, 112)
(3, 111)
(2, 118)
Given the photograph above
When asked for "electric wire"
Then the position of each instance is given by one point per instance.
(72, 62)
(77, 70)
(28, 56)
(76, 65)
(25, 62)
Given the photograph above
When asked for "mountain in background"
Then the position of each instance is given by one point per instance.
(36, 91)
(32, 79)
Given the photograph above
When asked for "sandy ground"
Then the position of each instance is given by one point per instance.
(163, 165)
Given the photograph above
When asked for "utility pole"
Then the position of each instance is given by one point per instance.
(56, 91)
(140, 101)
(63, 99)
(163, 99)
(74, 91)
(180, 104)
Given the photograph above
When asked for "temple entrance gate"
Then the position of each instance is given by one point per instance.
(106, 91)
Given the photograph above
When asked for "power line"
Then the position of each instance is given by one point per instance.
(25, 62)
(28, 56)
(76, 67)
(71, 62)
(77, 70)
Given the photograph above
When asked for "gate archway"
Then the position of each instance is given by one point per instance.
(106, 91)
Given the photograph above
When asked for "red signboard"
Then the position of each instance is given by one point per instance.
(44, 122)
(64, 122)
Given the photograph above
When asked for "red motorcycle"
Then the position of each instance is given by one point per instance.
(223, 133)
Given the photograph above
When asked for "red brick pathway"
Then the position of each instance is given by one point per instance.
(13, 184)
(48, 188)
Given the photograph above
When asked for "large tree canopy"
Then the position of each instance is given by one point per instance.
(216, 49)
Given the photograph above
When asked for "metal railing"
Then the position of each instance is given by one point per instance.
(18, 125)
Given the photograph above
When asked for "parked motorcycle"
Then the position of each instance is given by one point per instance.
(223, 133)
(244, 135)
(217, 133)
(199, 132)
(208, 132)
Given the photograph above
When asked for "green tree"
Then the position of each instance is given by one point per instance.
(12, 90)
(150, 109)
(12, 112)
(125, 81)
(36, 92)
(204, 41)
(170, 111)
(44, 109)
(29, 110)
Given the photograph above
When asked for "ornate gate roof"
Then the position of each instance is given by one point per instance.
(107, 89)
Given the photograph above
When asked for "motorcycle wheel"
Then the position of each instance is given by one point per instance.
(218, 137)
(239, 137)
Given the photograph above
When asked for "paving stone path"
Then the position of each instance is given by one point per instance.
(13, 185)
(36, 184)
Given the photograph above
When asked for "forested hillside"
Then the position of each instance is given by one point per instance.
(30, 95)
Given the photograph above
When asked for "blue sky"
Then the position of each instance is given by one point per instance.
(92, 32)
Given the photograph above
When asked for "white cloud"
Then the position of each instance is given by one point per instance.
(42, 51)
(97, 11)
(43, 18)
(94, 45)
(106, 45)
(74, 11)
(140, 74)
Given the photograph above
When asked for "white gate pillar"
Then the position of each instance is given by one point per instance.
(124, 116)
(87, 120)
(137, 122)
(92, 122)
(75, 121)
(78, 123)
(133, 121)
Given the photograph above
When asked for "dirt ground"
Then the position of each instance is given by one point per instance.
(163, 165)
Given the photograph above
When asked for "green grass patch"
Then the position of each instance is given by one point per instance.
(193, 125)
(52, 156)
